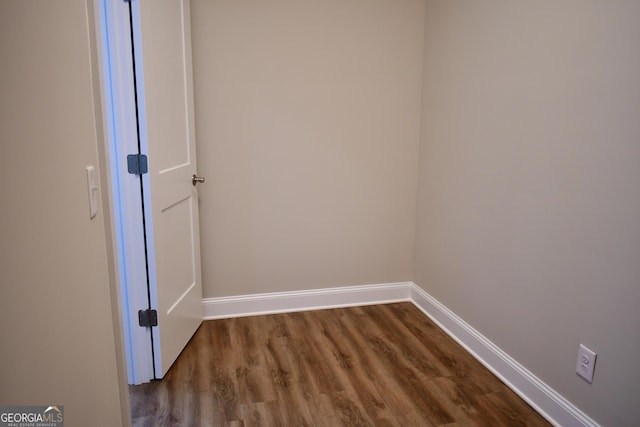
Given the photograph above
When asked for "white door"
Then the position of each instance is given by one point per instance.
(162, 53)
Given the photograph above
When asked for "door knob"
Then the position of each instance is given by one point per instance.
(197, 179)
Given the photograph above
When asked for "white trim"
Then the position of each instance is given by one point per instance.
(549, 403)
(146, 179)
(317, 299)
(117, 72)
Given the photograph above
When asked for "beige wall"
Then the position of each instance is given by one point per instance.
(307, 122)
(529, 202)
(308, 129)
(56, 324)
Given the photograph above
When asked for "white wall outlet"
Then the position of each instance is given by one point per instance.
(586, 363)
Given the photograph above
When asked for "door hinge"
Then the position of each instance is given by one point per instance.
(137, 164)
(147, 318)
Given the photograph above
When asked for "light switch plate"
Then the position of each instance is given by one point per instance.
(92, 186)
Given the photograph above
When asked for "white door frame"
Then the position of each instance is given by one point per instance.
(122, 137)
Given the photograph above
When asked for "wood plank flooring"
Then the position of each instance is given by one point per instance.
(383, 365)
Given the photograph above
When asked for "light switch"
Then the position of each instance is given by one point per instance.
(93, 191)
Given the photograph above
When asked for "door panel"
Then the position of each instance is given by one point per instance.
(165, 52)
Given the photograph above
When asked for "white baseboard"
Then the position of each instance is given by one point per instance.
(551, 405)
(317, 299)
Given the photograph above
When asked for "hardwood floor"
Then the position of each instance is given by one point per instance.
(384, 365)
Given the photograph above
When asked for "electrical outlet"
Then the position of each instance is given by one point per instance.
(586, 363)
